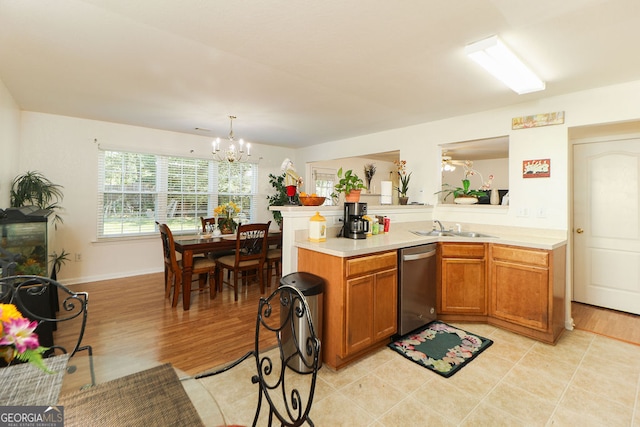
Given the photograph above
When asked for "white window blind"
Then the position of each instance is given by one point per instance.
(137, 189)
(324, 182)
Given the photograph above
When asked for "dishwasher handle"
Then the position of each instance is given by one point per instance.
(423, 255)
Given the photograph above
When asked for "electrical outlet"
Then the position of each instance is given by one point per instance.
(78, 257)
(541, 213)
(523, 212)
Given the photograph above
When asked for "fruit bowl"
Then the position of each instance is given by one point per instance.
(311, 201)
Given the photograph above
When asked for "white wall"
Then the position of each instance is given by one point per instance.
(10, 137)
(63, 149)
(550, 196)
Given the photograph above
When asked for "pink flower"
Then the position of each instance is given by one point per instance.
(19, 333)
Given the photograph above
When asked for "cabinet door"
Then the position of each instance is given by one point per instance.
(463, 286)
(385, 307)
(520, 294)
(359, 314)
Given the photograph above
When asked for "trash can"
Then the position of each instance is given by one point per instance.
(312, 287)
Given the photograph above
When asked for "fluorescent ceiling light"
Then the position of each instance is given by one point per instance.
(498, 60)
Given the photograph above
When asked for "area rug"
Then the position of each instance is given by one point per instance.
(440, 347)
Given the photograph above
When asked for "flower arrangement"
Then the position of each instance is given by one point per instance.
(225, 212)
(228, 209)
(369, 172)
(403, 177)
(18, 339)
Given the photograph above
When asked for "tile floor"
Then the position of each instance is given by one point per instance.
(585, 380)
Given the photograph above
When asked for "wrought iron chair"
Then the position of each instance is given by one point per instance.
(249, 256)
(30, 294)
(286, 314)
(173, 268)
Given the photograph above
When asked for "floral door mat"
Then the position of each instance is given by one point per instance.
(441, 347)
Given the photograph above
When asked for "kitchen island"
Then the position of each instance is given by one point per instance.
(519, 283)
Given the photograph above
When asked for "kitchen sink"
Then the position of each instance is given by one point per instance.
(470, 234)
(433, 233)
(437, 233)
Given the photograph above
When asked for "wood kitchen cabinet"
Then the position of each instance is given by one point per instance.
(462, 275)
(527, 288)
(360, 302)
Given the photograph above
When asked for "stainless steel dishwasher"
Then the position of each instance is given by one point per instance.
(417, 287)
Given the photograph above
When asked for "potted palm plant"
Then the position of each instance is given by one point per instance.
(33, 188)
(350, 184)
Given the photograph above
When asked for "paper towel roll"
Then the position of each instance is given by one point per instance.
(386, 192)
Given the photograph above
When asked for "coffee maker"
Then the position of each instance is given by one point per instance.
(355, 226)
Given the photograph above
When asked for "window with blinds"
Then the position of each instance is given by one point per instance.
(136, 190)
(324, 183)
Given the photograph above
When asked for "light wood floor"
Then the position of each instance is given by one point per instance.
(131, 317)
(603, 321)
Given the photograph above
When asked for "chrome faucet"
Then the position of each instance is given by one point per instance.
(440, 224)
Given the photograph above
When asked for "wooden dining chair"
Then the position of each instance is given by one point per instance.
(273, 262)
(249, 257)
(203, 267)
(207, 223)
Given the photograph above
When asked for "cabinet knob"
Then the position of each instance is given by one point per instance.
(579, 230)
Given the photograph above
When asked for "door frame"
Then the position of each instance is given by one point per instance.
(599, 137)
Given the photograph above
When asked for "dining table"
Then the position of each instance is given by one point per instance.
(26, 384)
(203, 244)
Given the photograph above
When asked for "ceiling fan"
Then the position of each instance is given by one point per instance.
(449, 164)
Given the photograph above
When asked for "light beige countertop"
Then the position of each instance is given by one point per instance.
(400, 236)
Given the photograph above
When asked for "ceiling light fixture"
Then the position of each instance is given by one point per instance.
(231, 154)
(500, 62)
(449, 165)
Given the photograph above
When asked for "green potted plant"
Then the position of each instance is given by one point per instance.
(279, 198)
(58, 261)
(350, 184)
(33, 188)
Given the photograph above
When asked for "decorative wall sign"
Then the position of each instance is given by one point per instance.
(537, 120)
(536, 168)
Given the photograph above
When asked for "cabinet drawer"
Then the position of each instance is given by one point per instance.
(539, 258)
(371, 263)
(462, 250)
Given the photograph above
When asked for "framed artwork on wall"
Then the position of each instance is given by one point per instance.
(540, 168)
(537, 120)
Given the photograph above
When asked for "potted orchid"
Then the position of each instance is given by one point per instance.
(17, 338)
(464, 194)
(403, 180)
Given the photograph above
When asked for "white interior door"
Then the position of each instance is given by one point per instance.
(606, 231)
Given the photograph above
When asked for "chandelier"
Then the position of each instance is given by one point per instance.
(232, 153)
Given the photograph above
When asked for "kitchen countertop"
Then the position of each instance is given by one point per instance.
(400, 236)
